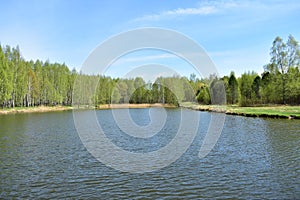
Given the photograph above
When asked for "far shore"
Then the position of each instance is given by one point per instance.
(142, 105)
(36, 109)
(267, 111)
(40, 109)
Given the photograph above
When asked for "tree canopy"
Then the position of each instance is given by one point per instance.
(34, 83)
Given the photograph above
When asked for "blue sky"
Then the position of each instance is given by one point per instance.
(237, 35)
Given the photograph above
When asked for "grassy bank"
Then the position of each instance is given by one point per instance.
(274, 111)
(36, 109)
(288, 112)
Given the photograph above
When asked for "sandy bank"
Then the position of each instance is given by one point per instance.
(144, 105)
(40, 109)
(35, 109)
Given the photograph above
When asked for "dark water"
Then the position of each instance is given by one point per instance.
(41, 156)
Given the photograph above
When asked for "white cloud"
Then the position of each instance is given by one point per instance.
(207, 8)
(214, 7)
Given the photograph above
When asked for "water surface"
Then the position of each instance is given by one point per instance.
(43, 157)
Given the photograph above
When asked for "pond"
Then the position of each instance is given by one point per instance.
(42, 156)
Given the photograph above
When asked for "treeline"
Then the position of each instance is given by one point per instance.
(278, 84)
(33, 83)
(96, 90)
(29, 83)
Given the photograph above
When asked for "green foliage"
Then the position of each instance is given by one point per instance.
(34, 83)
(204, 96)
(232, 89)
(283, 58)
(28, 83)
(280, 82)
(256, 90)
(217, 92)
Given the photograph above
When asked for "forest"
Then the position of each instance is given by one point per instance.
(34, 83)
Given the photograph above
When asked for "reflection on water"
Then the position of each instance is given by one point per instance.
(42, 156)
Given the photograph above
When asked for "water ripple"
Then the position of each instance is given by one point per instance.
(42, 157)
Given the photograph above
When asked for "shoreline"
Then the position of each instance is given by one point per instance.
(127, 105)
(37, 109)
(275, 111)
(42, 109)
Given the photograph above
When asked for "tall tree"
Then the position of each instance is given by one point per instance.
(256, 88)
(203, 96)
(5, 82)
(217, 91)
(245, 83)
(279, 64)
(233, 89)
(293, 52)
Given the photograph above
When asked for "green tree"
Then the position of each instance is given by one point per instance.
(279, 64)
(5, 82)
(217, 91)
(283, 57)
(139, 85)
(293, 52)
(189, 93)
(203, 96)
(256, 89)
(268, 88)
(233, 94)
(123, 89)
(293, 86)
(245, 83)
(116, 95)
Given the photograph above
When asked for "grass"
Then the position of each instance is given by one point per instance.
(284, 111)
(274, 111)
(34, 109)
